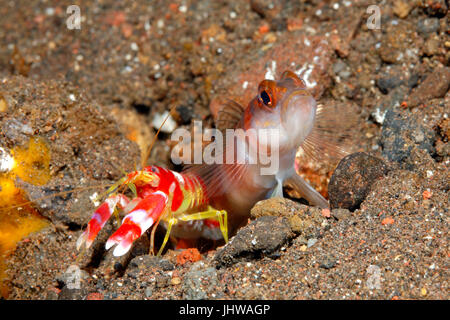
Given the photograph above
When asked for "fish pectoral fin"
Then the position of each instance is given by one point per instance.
(309, 193)
(277, 191)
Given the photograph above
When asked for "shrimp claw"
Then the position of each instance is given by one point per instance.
(142, 217)
(100, 217)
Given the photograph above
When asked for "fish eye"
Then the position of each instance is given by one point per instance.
(265, 97)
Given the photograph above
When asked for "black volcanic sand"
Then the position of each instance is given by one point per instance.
(93, 93)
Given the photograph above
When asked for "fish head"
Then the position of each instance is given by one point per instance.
(285, 106)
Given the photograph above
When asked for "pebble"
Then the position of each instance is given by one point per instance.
(328, 262)
(352, 179)
(271, 234)
(169, 125)
(431, 47)
(311, 242)
(387, 83)
(148, 292)
(427, 26)
(435, 85)
(402, 8)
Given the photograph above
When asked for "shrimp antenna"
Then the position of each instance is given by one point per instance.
(147, 153)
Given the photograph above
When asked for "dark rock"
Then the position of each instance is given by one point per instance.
(352, 179)
(261, 237)
(435, 8)
(184, 114)
(435, 85)
(385, 84)
(427, 26)
(402, 131)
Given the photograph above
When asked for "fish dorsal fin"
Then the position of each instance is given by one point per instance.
(229, 115)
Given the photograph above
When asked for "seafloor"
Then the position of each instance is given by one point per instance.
(90, 96)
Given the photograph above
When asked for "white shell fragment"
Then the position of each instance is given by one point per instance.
(168, 126)
(6, 161)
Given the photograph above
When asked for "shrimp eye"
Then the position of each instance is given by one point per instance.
(266, 99)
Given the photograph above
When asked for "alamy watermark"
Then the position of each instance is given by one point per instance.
(374, 20)
(73, 277)
(374, 277)
(74, 20)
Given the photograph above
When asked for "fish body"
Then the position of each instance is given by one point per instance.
(288, 109)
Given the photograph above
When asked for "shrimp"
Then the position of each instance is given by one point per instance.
(160, 195)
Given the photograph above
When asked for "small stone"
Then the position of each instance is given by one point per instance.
(341, 214)
(311, 242)
(188, 255)
(200, 282)
(387, 220)
(148, 292)
(326, 213)
(3, 104)
(427, 26)
(175, 281)
(149, 261)
(270, 233)
(423, 292)
(169, 123)
(385, 84)
(435, 85)
(328, 262)
(352, 179)
(402, 8)
(431, 47)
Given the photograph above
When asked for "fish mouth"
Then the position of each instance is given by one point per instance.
(293, 94)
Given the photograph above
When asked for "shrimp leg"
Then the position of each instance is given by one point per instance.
(210, 213)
